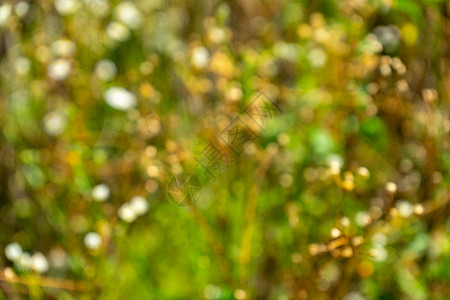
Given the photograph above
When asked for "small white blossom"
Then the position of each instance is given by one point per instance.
(22, 9)
(117, 31)
(127, 13)
(67, 7)
(59, 69)
(363, 172)
(405, 208)
(212, 292)
(5, 13)
(93, 240)
(139, 204)
(389, 36)
(100, 8)
(391, 187)
(217, 35)
(335, 168)
(345, 221)
(379, 253)
(335, 233)
(105, 70)
(120, 98)
(127, 213)
(419, 209)
(371, 44)
(335, 162)
(362, 218)
(285, 51)
(54, 123)
(357, 240)
(13, 251)
(200, 57)
(354, 295)
(385, 70)
(39, 263)
(64, 47)
(100, 192)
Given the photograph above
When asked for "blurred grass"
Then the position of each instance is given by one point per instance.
(307, 211)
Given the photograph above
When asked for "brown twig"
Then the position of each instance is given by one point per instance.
(50, 282)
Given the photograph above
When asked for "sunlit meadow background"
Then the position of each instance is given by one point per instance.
(345, 195)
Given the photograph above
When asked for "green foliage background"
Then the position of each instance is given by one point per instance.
(362, 85)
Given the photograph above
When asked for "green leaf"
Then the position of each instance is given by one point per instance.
(413, 10)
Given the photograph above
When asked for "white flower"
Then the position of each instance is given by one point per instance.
(100, 192)
(371, 44)
(22, 8)
(357, 240)
(335, 162)
(127, 13)
(127, 213)
(379, 253)
(217, 35)
(200, 57)
(354, 295)
(54, 123)
(419, 209)
(405, 208)
(385, 70)
(139, 205)
(117, 31)
(39, 263)
(100, 8)
(362, 218)
(120, 98)
(285, 51)
(345, 221)
(105, 70)
(363, 172)
(59, 69)
(389, 36)
(5, 13)
(67, 7)
(335, 233)
(13, 251)
(93, 240)
(212, 292)
(335, 168)
(391, 187)
(63, 47)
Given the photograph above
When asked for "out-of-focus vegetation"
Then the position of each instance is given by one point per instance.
(345, 195)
